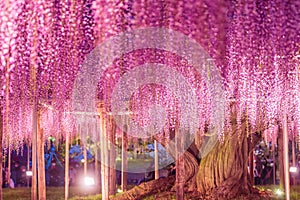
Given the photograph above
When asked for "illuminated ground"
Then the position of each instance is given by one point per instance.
(53, 193)
(79, 193)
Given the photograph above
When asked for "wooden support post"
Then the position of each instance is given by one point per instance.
(28, 161)
(156, 160)
(33, 88)
(124, 161)
(67, 166)
(85, 160)
(9, 164)
(293, 154)
(112, 157)
(1, 154)
(286, 158)
(104, 160)
(179, 165)
(41, 161)
(280, 157)
(97, 175)
(6, 126)
(274, 158)
(34, 151)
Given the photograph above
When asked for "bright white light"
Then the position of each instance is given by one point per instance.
(89, 181)
(278, 192)
(293, 169)
(82, 160)
(119, 190)
(28, 173)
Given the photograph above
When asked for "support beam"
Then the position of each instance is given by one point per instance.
(124, 161)
(1, 154)
(97, 174)
(28, 162)
(294, 152)
(274, 157)
(41, 161)
(104, 160)
(67, 166)
(85, 160)
(280, 157)
(7, 122)
(8, 164)
(112, 157)
(33, 89)
(34, 151)
(286, 158)
(179, 143)
(156, 160)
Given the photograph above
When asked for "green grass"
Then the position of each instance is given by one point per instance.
(136, 165)
(53, 193)
(82, 193)
(294, 194)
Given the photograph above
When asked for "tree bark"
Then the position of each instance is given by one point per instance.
(147, 188)
(223, 173)
(251, 165)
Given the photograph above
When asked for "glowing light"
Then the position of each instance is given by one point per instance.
(82, 160)
(89, 181)
(293, 169)
(279, 192)
(28, 173)
(119, 190)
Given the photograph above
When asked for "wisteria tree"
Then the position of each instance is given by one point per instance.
(256, 49)
(253, 45)
(42, 45)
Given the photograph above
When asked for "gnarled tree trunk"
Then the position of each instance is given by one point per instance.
(224, 171)
(221, 174)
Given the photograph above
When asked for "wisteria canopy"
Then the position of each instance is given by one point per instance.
(254, 45)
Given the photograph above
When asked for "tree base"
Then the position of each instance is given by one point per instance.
(162, 189)
(147, 189)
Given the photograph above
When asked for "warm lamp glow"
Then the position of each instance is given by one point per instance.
(89, 181)
(293, 169)
(278, 192)
(28, 173)
(119, 190)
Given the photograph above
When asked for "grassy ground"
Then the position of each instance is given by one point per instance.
(81, 193)
(136, 165)
(53, 193)
(294, 194)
